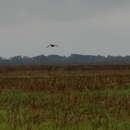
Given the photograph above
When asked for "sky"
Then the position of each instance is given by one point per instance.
(90, 27)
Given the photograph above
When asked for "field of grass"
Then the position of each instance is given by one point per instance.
(76, 97)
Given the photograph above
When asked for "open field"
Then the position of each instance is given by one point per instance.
(65, 97)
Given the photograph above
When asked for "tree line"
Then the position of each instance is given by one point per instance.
(73, 58)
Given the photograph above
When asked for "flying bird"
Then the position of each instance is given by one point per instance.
(52, 45)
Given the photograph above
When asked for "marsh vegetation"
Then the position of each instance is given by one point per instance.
(84, 97)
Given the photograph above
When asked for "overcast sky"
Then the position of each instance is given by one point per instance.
(83, 26)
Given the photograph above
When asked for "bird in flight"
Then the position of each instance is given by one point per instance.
(52, 45)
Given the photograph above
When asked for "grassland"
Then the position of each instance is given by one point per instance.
(62, 97)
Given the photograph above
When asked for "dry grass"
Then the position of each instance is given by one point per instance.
(65, 98)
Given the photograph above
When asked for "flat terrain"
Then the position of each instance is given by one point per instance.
(68, 97)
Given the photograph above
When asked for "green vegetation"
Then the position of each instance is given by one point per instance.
(65, 100)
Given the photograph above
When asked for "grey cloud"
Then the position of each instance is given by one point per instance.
(83, 26)
(13, 11)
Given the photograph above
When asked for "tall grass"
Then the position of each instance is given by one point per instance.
(65, 100)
